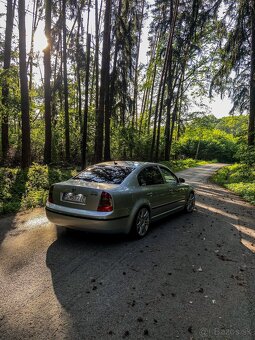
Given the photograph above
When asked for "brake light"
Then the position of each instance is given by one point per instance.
(105, 203)
(50, 197)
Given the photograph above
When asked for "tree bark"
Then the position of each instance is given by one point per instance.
(96, 56)
(5, 86)
(251, 127)
(67, 131)
(134, 109)
(86, 108)
(107, 111)
(47, 84)
(174, 12)
(103, 111)
(26, 143)
(78, 69)
(31, 53)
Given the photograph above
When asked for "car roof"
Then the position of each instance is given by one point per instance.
(132, 164)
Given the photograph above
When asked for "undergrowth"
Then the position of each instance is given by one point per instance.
(239, 178)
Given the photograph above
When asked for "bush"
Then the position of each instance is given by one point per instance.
(178, 165)
(239, 178)
(24, 189)
(246, 155)
(208, 145)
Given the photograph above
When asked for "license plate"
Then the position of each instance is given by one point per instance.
(74, 198)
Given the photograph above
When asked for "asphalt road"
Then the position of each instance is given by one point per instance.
(192, 277)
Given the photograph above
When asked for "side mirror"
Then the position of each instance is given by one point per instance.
(181, 180)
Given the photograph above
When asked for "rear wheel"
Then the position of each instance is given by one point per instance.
(141, 223)
(190, 203)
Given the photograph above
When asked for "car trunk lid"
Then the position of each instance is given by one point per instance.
(80, 194)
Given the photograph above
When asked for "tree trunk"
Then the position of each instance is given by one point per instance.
(251, 127)
(86, 108)
(134, 114)
(103, 112)
(107, 111)
(174, 11)
(78, 70)
(26, 143)
(67, 132)
(160, 90)
(151, 99)
(5, 86)
(96, 56)
(143, 108)
(47, 85)
(31, 53)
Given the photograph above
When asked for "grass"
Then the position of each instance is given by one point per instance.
(26, 189)
(185, 164)
(239, 178)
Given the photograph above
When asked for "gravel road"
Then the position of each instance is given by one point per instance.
(192, 277)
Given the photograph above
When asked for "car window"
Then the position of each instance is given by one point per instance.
(150, 176)
(105, 174)
(168, 176)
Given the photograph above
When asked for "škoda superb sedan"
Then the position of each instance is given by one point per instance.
(118, 197)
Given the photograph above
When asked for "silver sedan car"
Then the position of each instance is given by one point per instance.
(118, 197)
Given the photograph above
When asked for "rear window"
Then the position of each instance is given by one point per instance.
(105, 174)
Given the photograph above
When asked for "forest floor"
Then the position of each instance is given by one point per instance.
(192, 277)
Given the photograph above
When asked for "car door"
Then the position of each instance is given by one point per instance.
(152, 187)
(174, 192)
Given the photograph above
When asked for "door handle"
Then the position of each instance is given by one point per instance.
(149, 194)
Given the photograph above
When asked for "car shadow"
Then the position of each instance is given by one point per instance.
(183, 273)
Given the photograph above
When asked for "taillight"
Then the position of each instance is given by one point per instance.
(105, 203)
(50, 197)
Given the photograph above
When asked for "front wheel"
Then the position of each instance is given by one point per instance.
(190, 203)
(141, 223)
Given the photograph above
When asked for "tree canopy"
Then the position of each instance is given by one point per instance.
(90, 96)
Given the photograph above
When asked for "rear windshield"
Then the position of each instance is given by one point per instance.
(105, 174)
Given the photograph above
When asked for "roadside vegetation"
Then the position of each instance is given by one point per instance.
(239, 178)
(25, 189)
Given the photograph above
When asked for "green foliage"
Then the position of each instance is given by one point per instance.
(240, 178)
(24, 189)
(246, 155)
(207, 144)
(245, 190)
(235, 125)
(178, 165)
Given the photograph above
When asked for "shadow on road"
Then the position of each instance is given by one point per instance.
(176, 282)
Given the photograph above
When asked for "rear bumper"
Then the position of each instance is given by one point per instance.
(102, 225)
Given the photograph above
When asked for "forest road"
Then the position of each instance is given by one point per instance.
(192, 277)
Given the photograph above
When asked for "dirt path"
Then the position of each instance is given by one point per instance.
(192, 277)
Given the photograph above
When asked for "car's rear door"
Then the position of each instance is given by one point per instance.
(152, 187)
(174, 192)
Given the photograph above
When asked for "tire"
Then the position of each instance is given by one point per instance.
(190, 203)
(141, 223)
